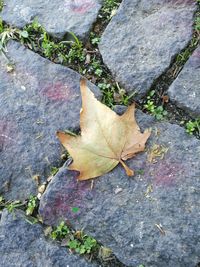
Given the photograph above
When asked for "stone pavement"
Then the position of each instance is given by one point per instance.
(150, 219)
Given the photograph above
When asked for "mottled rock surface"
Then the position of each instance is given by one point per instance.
(57, 17)
(142, 39)
(185, 90)
(24, 244)
(151, 218)
(36, 99)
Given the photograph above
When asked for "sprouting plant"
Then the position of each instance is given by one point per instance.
(34, 27)
(76, 49)
(193, 126)
(61, 231)
(96, 67)
(157, 111)
(109, 8)
(7, 34)
(32, 204)
(48, 46)
(85, 244)
(1, 26)
(13, 205)
(54, 170)
(76, 241)
(108, 93)
(94, 38)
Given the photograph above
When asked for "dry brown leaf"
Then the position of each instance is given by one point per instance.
(106, 138)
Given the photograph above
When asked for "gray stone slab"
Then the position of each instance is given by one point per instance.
(142, 39)
(24, 244)
(151, 218)
(185, 90)
(36, 99)
(57, 17)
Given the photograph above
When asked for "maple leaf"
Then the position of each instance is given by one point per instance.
(106, 138)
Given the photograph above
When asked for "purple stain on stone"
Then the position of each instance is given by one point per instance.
(81, 6)
(68, 193)
(167, 173)
(57, 91)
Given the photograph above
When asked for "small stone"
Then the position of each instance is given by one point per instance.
(118, 190)
(41, 188)
(39, 195)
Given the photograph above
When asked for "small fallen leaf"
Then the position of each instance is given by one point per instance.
(106, 138)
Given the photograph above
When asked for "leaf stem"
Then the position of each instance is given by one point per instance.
(129, 172)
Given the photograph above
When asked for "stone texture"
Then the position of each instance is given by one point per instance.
(142, 39)
(23, 244)
(185, 90)
(151, 218)
(57, 17)
(36, 99)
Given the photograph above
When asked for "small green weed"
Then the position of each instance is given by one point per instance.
(10, 206)
(60, 232)
(1, 26)
(31, 205)
(108, 93)
(157, 111)
(109, 8)
(193, 126)
(76, 241)
(85, 245)
(94, 38)
(54, 170)
(76, 53)
(96, 67)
